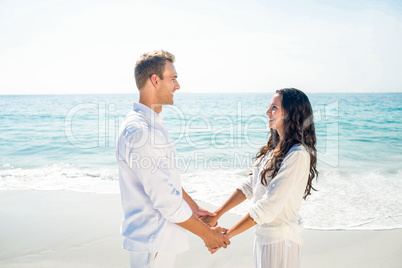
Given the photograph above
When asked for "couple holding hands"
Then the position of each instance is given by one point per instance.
(157, 210)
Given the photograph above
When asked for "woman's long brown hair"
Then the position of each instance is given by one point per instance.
(298, 129)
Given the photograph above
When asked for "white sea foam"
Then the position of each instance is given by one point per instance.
(361, 201)
(60, 177)
(364, 201)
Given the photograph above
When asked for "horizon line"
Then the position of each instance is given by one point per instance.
(189, 93)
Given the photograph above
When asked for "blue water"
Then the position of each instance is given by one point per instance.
(68, 141)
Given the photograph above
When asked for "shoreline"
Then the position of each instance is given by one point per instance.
(74, 229)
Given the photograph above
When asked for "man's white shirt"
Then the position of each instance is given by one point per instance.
(150, 185)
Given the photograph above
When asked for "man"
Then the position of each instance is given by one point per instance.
(156, 208)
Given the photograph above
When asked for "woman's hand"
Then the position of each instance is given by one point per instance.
(200, 212)
(211, 221)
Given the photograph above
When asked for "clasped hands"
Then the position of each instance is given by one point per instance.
(223, 240)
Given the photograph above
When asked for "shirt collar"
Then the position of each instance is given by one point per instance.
(147, 112)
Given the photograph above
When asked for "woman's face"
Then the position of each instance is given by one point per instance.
(276, 114)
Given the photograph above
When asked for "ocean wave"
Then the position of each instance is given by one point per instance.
(60, 177)
(390, 222)
(344, 200)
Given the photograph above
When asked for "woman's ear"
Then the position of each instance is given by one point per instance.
(154, 80)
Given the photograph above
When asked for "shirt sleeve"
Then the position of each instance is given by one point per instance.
(247, 186)
(281, 187)
(153, 168)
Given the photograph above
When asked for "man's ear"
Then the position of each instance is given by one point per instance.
(154, 80)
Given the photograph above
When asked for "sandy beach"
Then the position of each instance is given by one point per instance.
(72, 229)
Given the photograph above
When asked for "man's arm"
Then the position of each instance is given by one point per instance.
(197, 210)
(169, 201)
(155, 176)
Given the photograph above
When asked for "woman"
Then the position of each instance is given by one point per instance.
(281, 177)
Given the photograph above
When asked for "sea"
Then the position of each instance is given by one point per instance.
(67, 142)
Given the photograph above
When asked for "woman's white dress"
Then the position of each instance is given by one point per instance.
(275, 209)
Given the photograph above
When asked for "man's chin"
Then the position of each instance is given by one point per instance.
(168, 102)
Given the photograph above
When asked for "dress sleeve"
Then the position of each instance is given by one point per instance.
(281, 187)
(247, 186)
(152, 166)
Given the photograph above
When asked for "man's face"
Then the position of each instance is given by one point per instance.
(167, 86)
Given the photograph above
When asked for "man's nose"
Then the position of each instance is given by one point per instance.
(177, 85)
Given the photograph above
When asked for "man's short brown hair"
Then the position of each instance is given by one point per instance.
(151, 63)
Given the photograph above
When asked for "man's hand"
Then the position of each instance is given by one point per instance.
(216, 238)
(213, 250)
(243, 225)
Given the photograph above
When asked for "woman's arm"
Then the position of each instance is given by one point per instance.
(235, 199)
(290, 180)
(244, 224)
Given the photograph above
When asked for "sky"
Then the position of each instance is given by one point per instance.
(75, 47)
